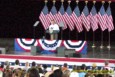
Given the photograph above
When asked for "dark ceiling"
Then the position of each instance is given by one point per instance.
(18, 16)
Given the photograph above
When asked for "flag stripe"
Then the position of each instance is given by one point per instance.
(85, 21)
(43, 17)
(86, 18)
(109, 21)
(93, 18)
(102, 21)
(77, 22)
(61, 18)
(67, 18)
(69, 21)
(102, 18)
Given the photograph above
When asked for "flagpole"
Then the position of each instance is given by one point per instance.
(101, 47)
(109, 39)
(109, 45)
(101, 38)
(93, 38)
(69, 30)
(76, 35)
(85, 35)
(61, 34)
(94, 31)
(102, 31)
(86, 30)
(61, 27)
(77, 1)
(45, 1)
(93, 46)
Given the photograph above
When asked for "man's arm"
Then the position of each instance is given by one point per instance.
(57, 26)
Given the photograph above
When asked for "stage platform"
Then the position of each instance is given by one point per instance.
(53, 60)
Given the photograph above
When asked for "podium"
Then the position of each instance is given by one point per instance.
(53, 34)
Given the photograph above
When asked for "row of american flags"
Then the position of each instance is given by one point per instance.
(79, 20)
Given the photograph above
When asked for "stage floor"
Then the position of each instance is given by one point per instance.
(52, 59)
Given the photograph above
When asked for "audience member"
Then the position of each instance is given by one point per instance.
(65, 67)
(57, 73)
(6, 64)
(2, 68)
(82, 73)
(39, 67)
(51, 75)
(107, 67)
(75, 68)
(26, 66)
(74, 74)
(44, 68)
(33, 73)
(33, 64)
(17, 64)
(66, 73)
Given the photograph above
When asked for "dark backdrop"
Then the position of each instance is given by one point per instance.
(18, 16)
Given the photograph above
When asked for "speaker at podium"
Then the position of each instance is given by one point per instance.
(35, 50)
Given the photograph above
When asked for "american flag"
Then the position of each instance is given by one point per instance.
(77, 19)
(67, 18)
(86, 18)
(43, 17)
(61, 16)
(102, 18)
(53, 14)
(109, 20)
(93, 18)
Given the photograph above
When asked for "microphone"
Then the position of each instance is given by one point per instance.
(36, 23)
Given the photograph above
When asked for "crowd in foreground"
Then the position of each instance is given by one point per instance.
(38, 70)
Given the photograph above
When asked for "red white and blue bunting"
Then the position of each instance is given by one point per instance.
(77, 45)
(50, 44)
(22, 44)
(26, 43)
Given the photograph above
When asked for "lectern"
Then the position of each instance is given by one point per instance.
(53, 34)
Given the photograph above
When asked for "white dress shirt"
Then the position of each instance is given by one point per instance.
(53, 27)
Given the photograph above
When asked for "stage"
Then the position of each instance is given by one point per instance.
(53, 60)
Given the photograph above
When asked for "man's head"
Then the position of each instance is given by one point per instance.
(74, 67)
(33, 64)
(65, 65)
(94, 65)
(27, 64)
(17, 62)
(83, 67)
(52, 22)
(33, 72)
